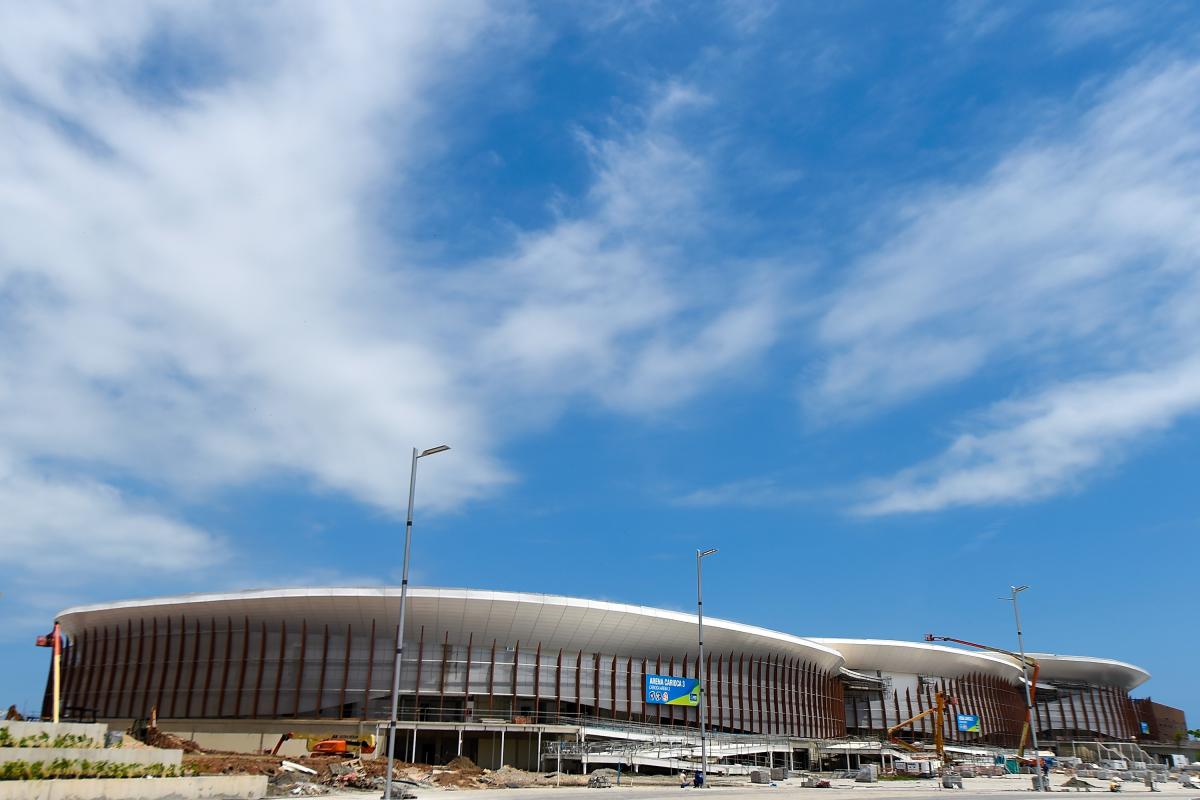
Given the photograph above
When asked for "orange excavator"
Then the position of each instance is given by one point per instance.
(940, 703)
(1022, 660)
(329, 744)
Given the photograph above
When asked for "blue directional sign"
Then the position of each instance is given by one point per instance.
(969, 723)
(667, 690)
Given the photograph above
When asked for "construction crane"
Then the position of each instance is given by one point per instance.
(1024, 661)
(940, 703)
(329, 744)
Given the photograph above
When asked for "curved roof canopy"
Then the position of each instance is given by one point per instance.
(1086, 669)
(921, 658)
(593, 626)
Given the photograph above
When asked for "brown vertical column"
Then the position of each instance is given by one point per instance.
(1089, 698)
(279, 667)
(769, 692)
(642, 696)
(596, 683)
(299, 666)
(442, 678)
(629, 687)
(1109, 727)
(537, 682)
(225, 667)
(729, 689)
(212, 643)
(119, 701)
(467, 676)
(87, 671)
(157, 699)
(492, 678)
(741, 681)
(135, 688)
(720, 692)
(100, 668)
(1083, 708)
(420, 663)
(671, 709)
(178, 665)
(704, 695)
(579, 684)
(262, 663)
(194, 665)
(1110, 704)
(366, 702)
(658, 708)
(103, 671)
(162, 672)
(780, 703)
(1134, 729)
(797, 707)
(558, 684)
(320, 704)
(516, 664)
(793, 711)
(241, 681)
(1074, 715)
(71, 672)
(108, 669)
(612, 686)
(758, 672)
(110, 683)
(345, 672)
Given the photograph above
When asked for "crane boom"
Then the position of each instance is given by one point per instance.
(1025, 661)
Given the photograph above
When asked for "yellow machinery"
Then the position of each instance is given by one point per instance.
(329, 744)
(940, 704)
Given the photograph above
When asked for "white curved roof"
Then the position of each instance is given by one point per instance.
(920, 658)
(1086, 669)
(593, 626)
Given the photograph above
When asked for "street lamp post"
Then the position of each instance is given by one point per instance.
(412, 488)
(1029, 714)
(700, 554)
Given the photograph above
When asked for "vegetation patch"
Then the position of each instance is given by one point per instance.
(82, 768)
(66, 740)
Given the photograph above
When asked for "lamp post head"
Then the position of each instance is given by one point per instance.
(703, 553)
(1018, 589)
(441, 448)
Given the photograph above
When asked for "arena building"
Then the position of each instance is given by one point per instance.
(238, 669)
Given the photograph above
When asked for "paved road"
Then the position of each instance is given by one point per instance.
(974, 789)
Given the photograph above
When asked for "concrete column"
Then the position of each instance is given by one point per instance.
(460, 741)
(502, 747)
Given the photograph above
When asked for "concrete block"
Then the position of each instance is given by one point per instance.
(207, 787)
(112, 754)
(93, 731)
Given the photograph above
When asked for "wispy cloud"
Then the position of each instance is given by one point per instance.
(1076, 258)
(197, 292)
(750, 493)
(1034, 448)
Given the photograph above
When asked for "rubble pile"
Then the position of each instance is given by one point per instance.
(167, 741)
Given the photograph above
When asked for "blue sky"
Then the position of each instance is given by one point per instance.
(895, 304)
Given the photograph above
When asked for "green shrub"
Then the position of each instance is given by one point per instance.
(64, 768)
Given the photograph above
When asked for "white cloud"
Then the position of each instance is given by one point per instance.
(748, 493)
(197, 292)
(53, 528)
(1038, 447)
(1077, 259)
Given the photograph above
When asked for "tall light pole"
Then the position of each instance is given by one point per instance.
(412, 488)
(1029, 713)
(700, 554)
